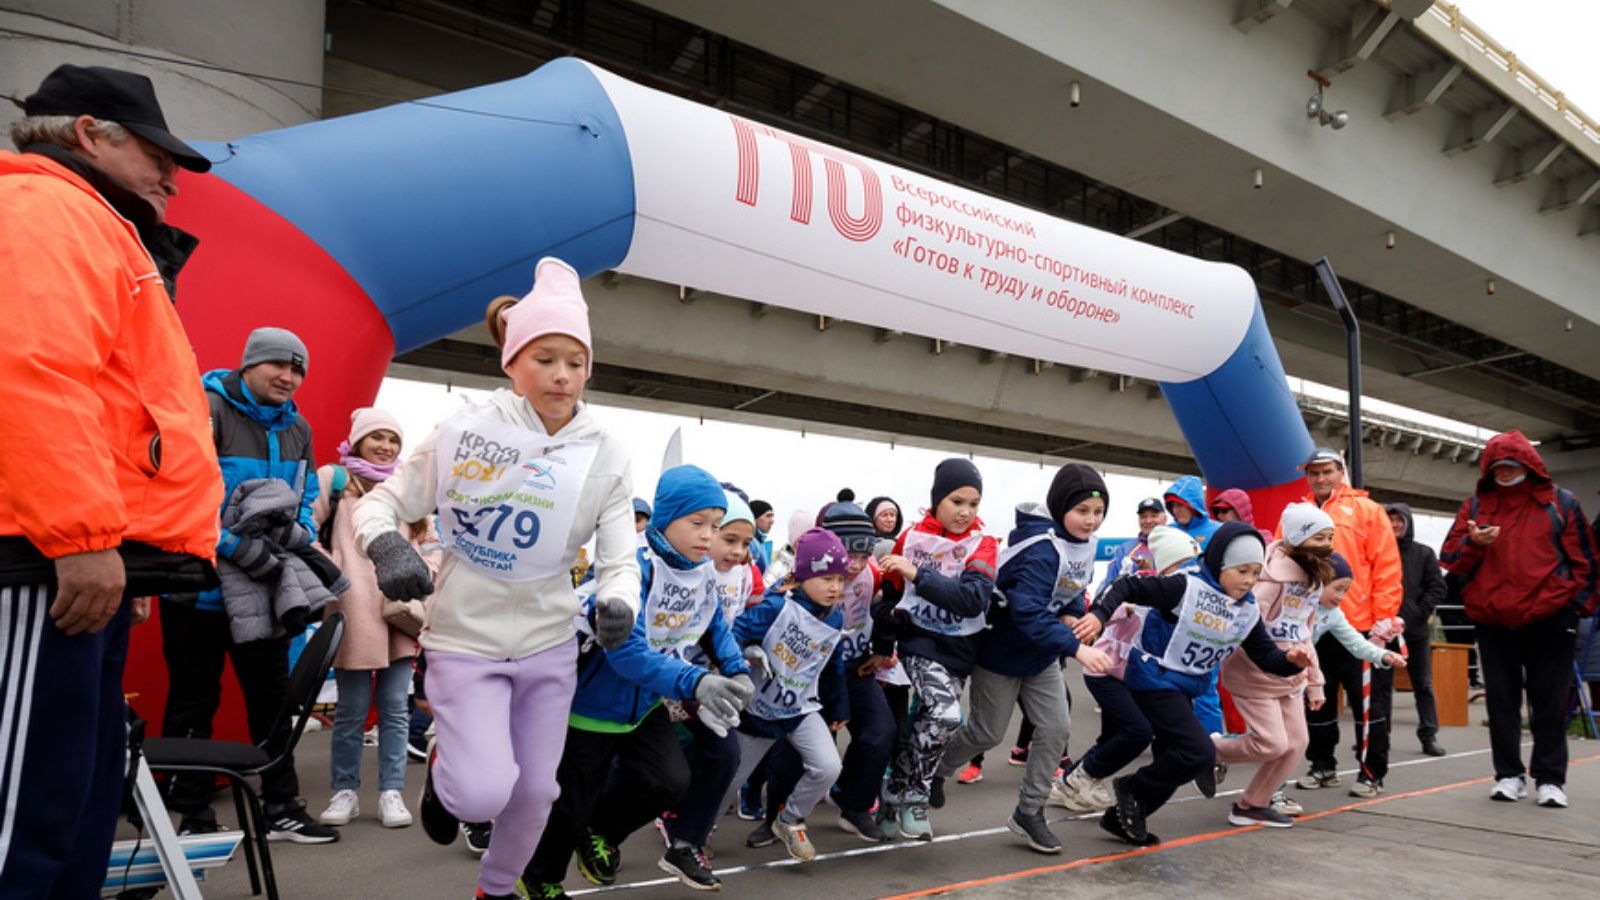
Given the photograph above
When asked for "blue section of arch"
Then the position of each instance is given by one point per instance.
(437, 206)
(1241, 421)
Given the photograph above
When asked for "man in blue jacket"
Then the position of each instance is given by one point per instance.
(1043, 578)
(258, 434)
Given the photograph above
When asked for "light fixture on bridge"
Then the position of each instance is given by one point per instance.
(1489, 286)
(1388, 240)
(1317, 106)
(1257, 179)
(1074, 95)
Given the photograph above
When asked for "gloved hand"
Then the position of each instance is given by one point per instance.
(290, 536)
(256, 558)
(402, 575)
(613, 622)
(721, 694)
(757, 658)
(294, 620)
(718, 726)
(746, 687)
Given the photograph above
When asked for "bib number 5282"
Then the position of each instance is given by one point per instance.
(487, 522)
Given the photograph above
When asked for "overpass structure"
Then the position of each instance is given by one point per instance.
(1456, 201)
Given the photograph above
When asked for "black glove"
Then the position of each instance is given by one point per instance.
(291, 536)
(294, 620)
(257, 558)
(613, 622)
(402, 575)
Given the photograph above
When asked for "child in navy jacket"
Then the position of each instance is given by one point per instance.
(794, 640)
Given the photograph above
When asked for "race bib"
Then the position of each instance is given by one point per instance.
(1210, 625)
(949, 557)
(798, 646)
(678, 609)
(507, 496)
(1074, 568)
(857, 609)
(1298, 610)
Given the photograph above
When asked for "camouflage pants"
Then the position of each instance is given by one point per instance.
(937, 719)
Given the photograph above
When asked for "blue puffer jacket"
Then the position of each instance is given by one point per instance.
(1192, 491)
(618, 688)
(1023, 639)
(255, 440)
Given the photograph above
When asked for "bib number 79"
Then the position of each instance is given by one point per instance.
(492, 519)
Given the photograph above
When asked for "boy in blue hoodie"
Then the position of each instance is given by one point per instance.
(623, 763)
(1045, 572)
(1179, 630)
(794, 640)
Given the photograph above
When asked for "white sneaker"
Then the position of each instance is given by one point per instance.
(1509, 790)
(392, 810)
(1075, 792)
(341, 809)
(1552, 796)
(1283, 803)
(795, 838)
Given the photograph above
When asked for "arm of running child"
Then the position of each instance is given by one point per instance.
(1264, 652)
(1354, 641)
(1162, 592)
(725, 649)
(1028, 581)
(834, 691)
(968, 595)
(659, 673)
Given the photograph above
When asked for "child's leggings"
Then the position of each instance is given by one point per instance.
(1276, 738)
(501, 727)
(937, 720)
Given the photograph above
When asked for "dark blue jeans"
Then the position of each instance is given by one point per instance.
(711, 768)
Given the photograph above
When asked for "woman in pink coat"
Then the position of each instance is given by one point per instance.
(374, 661)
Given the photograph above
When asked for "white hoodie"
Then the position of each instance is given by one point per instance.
(473, 613)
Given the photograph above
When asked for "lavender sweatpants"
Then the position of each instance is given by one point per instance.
(501, 726)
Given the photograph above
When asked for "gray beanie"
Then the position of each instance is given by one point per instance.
(274, 345)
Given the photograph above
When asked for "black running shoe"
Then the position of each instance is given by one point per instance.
(293, 823)
(477, 835)
(1031, 827)
(598, 860)
(438, 823)
(861, 824)
(1111, 824)
(936, 793)
(761, 836)
(691, 867)
(1129, 814)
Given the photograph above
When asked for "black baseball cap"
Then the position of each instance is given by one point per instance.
(1151, 504)
(115, 96)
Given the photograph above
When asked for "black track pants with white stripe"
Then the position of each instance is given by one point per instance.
(63, 739)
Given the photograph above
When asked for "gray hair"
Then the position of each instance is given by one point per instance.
(61, 131)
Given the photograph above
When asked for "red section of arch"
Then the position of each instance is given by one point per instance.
(254, 268)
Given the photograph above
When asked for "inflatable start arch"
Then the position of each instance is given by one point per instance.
(376, 233)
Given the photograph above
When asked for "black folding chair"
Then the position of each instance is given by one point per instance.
(239, 762)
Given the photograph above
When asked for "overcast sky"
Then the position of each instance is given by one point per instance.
(792, 472)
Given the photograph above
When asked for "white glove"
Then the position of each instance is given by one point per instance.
(758, 661)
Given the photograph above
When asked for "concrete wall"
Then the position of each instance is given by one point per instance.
(280, 38)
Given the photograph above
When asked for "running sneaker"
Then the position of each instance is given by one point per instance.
(202, 822)
(1018, 757)
(547, 891)
(598, 860)
(1249, 815)
(914, 823)
(438, 823)
(1129, 814)
(862, 825)
(293, 823)
(1031, 827)
(476, 835)
(1317, 779)
(1284, 804)
(690, 866)
(793, 835)
(936, 793)
(417, 749)
(972, 774)
(1552, 796)
(1509, 790)
(1113, 825)
(342, 807)
(887, 813)
(392, 810)
(750, 808)
(1366, 787)
(1076, 792)
(760, 836)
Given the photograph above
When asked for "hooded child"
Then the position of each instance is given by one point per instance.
(500, 638)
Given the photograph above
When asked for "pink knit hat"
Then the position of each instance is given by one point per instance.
(368, 419)
(554, 306)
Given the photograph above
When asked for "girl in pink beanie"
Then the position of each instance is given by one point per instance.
(521, 482)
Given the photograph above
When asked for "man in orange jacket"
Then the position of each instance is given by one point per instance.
(109, 486)
(1363, 536)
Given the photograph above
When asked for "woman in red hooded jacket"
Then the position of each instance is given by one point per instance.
(1527, 558)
